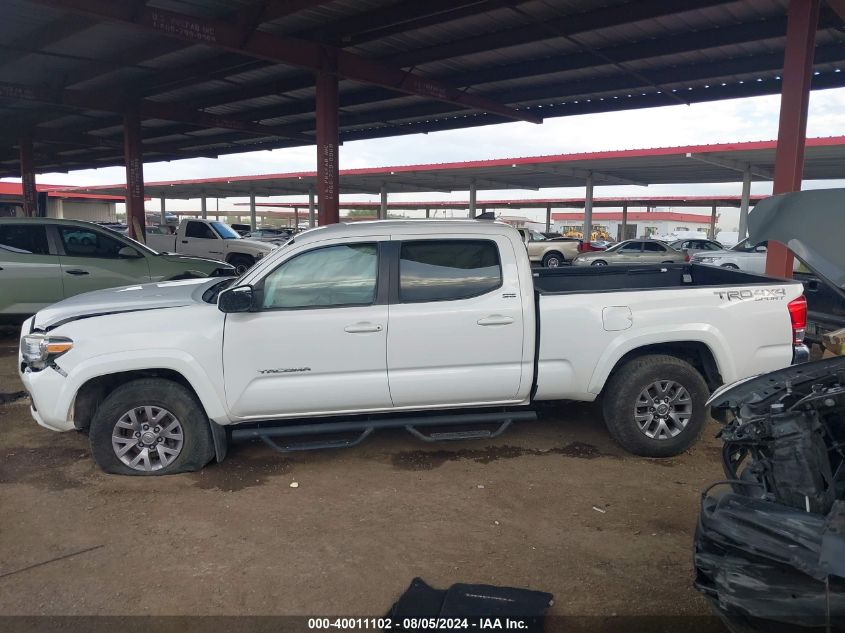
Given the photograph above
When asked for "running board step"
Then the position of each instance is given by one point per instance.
(365, 428)
(448, 436)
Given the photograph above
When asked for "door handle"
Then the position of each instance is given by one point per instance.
(76, 271)
(362, 328)
(184, 241)
(496, 319)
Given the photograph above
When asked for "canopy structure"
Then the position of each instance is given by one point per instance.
(728, 162)
(90, 83)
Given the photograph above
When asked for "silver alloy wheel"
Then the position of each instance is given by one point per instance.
(147, 438)
(240, 269)
(663, 409)
(552, 262)
(599, 263)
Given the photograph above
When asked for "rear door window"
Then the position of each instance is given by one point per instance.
(447, 270)
(28, 239)
(83, 242)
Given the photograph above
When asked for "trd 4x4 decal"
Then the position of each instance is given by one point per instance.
(747, 294)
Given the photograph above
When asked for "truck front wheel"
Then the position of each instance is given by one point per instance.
(655, 405)
(242, 263)
(150, 426)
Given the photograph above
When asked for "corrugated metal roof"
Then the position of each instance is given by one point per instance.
(550, 57)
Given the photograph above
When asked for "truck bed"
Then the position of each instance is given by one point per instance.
(567, 280)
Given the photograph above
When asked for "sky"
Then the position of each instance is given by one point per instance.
(750, 119)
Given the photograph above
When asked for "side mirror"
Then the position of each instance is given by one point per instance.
(238, 299)
(127, 252)
(761, 249)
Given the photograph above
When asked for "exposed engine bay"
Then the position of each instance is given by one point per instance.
(770, 542)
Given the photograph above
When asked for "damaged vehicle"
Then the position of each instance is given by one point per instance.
(770, 541)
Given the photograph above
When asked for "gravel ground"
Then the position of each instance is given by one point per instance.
(553, 505)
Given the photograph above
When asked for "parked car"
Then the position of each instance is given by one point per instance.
(818, 248)
(770, 542)
(408, 317)
(210, 238)
(691, 246)
(748, 256)
(44, 260)
(551, 253)
(632, 252)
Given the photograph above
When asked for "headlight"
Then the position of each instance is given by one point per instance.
(705, 260)
(39, 350)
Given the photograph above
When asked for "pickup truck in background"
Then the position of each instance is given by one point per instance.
(209, 238)
(550, 252)
(409, 324)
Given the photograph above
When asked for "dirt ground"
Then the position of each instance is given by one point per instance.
(553, 505)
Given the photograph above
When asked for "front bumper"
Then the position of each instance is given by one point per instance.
(50, 403)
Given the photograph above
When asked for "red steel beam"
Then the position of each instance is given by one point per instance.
(30, 197)
(134, 176)
(222, 34)
(802, 20)
(328, 175)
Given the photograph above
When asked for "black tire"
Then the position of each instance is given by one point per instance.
(623, 390)
(730, 266)
(553, 260)
(599, 262)
(197, 446)
(242, 263)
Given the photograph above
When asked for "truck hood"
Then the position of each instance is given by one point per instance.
(153, 296)
(806, 221)
(251, 245)
(188, 260)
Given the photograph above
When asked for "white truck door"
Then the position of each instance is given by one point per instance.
(201, 240)
(318, 343)
(456, 322)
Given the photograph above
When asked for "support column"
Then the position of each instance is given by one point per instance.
(472, 192)
(134, 160)
(427, 214)
(382, 210)
(296, 217)
(327, 140)
(163, 211)
(802, 21)
(713, 223)
(744, 201)
(623, 235)
(204, 207)
(252, 223)
(548, 218)
(28, 191)
(588, 209)
(312, 219)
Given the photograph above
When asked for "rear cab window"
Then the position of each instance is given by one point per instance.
(24, 239)
(447, 270)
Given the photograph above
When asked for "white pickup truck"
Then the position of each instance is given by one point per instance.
(414, 324)
(208, 238)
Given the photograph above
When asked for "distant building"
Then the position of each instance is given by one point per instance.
(59, 204)
(640, 223)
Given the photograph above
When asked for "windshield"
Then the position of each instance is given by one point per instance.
(747, 247)
(225, 231)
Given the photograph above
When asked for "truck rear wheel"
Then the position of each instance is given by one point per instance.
(553, 260)
(655, 405)
(242, 263)
(150, 426)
